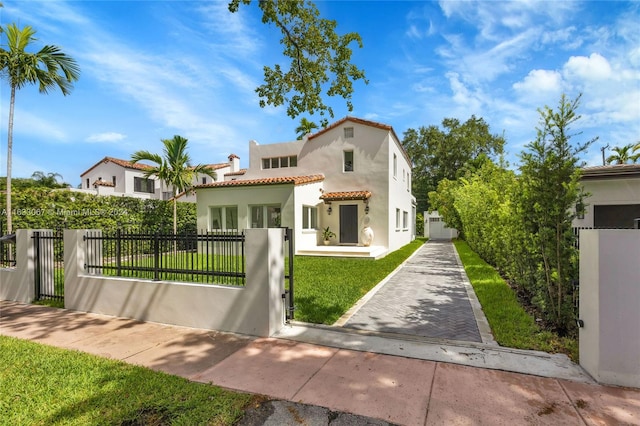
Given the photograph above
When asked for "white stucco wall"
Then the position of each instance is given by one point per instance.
(255, 309)
(18, 284)
(609, 300)
(616, 191)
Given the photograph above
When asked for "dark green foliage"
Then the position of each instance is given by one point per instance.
(522, 224)
(549, 188)
(450, 153)
(45, 208)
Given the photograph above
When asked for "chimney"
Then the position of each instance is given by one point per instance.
(234, 163)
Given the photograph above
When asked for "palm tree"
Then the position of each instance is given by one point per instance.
(305, 128)
(622, 155)
(636, 149)
(49, 180)
(174, 169)
(48, 68)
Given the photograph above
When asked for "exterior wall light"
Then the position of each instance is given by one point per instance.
(329, 210)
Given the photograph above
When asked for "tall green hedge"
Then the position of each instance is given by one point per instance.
(39, 207)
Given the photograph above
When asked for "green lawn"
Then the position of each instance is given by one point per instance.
(511, 325)
(42, 385)
(326, 287)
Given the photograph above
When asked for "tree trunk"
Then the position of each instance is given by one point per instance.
(9, 154)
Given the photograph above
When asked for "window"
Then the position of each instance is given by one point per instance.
(280, 162)
(113, 180)
(408, 182)
(348, 161)
(224, 218)
(204, 180)
(143, 185)
(265, 216)
(88, 184)
(405, 220)
(395, 165)
(309, 217)
(348, 132)
(397, 218)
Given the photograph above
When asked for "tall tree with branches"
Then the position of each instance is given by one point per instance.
(49, 68)
(320, 59)
(550, 188)
(174, 169)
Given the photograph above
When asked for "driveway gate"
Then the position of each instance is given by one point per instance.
(48, 248)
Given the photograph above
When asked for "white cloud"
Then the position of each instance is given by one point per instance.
(594, 67)
(539, 82)
(105, 137)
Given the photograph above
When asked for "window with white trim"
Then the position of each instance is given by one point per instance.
(405, 220)
(265, 216)
(280, 162)
(397, 218)
(348, 132)
(395, 165)
(224, 218)
(309, 217)
(347, 161)
(143, 185)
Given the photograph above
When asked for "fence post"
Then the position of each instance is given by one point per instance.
(17, 284)
(156, 256)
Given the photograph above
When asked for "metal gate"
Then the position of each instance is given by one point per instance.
(288, 290)
(48, 248)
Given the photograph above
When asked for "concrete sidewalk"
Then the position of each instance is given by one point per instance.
(395, 389)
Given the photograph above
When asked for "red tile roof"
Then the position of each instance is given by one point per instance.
(238, 173)
(139, 166)
(346, 195)
(295, 180)
(103, 183)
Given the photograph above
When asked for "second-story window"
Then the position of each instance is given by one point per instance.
(395, 165)
(348, 161)
(280, 162)
(143, 185)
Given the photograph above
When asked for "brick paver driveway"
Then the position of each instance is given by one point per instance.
(427, 297)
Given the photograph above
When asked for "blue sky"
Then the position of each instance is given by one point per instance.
(154, 69)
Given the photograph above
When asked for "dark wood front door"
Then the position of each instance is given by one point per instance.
(349, 224)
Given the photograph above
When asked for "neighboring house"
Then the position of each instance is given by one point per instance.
(113, 176)
(613, 199)
(349, 176)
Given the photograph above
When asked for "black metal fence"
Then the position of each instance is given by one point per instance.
(7, 249)
(48, 249)
(204, 257)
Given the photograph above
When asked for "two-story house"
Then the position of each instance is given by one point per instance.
(352, 175)
(113, 176)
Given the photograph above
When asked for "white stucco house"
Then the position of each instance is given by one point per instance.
(352, 175)
(613, 199)
(116, 177)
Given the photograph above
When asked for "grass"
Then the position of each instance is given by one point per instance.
(42, 385)
(326, 287)
(511, 325)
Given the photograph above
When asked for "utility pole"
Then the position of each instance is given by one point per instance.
(603, 149)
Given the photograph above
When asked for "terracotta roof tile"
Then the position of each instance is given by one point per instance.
(238, 173)
(346, 195)
(295, 180)
(103, 183)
